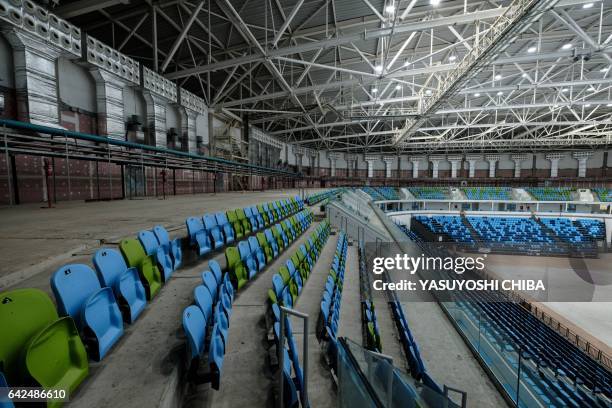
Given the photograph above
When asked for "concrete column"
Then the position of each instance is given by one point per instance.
(518, 158)
(389, 165)
(35, 63)
(554, 163)
(415, 165)
(190, 107)
(455, 162)
(370, 160)
(333, 158)
(298, 161)
(582, 158)
(313, 162)
(158, 92)
(435, 164)
(492, 159)
(351, 164)
(472, 160)
(109, 101)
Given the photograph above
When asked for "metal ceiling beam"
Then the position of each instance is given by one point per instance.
(81, 7)
(288, 20)
(179, 40)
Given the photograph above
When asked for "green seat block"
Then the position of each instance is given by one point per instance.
(56, 357)
(272, 296)
(244, 221)
(265, 246)
(279, 239)
(293, 289)
(232, 218)
(290, 237)
(136, 257)
(264, 214)
(299, 266)
(238, 272)
(284, 273)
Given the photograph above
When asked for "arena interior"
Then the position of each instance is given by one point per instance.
(194, 194)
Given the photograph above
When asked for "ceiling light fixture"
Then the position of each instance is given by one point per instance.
(587, 6)
(500, 93)
(428, 92)
(604, 69)
(390, 9)
(452, 58)
(435, 2)
(532, 49)
(524, 75)
(498, 77)
(378, 69)
(566, 46)
(564, 90)
(374, 90)
(588, 105)
(477, 94)
(398, 87)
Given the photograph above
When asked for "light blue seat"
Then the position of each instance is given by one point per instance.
(271, 241)
(222, 323)
(226, 228)
(4, 402)
(125, 282)
(306, 255)
(252, 220)
(257, 252)
(225, 302)
(290, 229)
(228, 287)
(209, 280)
(194, 325)
(198, 236)
(204, 301)
(282, 234)
(281, 291)
(290, 392)
(215, 357)
(151, 245)
(247, 258)
(210, 223)
(271, 215)
(173, 247)
(215, 268)
(79, 295)
(258, 217)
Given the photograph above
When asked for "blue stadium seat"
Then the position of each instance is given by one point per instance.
(173, 247)
(280, 231)
(79, 295)
(209, 280)
(260, 221)
(216, 356)
(271, 241)
(210, 223)
(198, 235)
(247, 258)
(215, 268)
(125, 282)
(252, 220)
(194, 325)
(257, 252)
(271, 215)
(204, 301)
(153, 248)
(226, 227)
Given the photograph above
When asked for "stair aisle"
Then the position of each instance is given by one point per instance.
(321, 391)
(349, 324)
(244, 382)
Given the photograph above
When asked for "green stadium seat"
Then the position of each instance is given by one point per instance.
(236, 224)
(236, 268)
(265, 246)
(135, 257)
(244, 221)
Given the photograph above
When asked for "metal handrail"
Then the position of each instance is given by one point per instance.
(281, 350)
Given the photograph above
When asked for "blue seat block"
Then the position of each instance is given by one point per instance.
(102, 316)
(194, 325)
(210, 224)
(247, 258)
(173, 247)
(257, 252)
(209, 280)
(215, 268)
(198, 235)
(216, 356)
(204, 301)
(226, 228)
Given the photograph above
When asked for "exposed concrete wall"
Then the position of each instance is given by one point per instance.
(77, 88)
(7, 75)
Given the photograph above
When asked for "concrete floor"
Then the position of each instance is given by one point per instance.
(579, 291)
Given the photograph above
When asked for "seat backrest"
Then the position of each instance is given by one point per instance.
(194, 325)
(232, 256)
(204, 300)
(148, 241)
(215, 268)
(285, 274)
(254, 244)
(278, 284)
(194, 225)
(254, 211)
(132, 251)
(269, 235)
(231, 216)
(72, 285)
(245, 249)
(221, 219)
(248, 212)
(290, 266)
(240, 213)
(109, 265)
(261, 239)
(211, 283)
(23, 313)
(210, 221)
(162, 235)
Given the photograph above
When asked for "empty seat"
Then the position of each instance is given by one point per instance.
(248, 212)
(247, 258)
(235, 223)
(79, 295)
(36, 344)
(153, 249)
(264, 214)
(226, 227)
(204, 301)
(210, 224)
(114, 273)
(246, 225)
(209, 280)
(257, 215)
(236, 268)
(215, 357)
(265, 247)
(215, 268)
(135, 257)
(198, 236)
(173, 247)
(272, 241)
(194, 325)
(280, 233)
(271, 215)
(257, 252)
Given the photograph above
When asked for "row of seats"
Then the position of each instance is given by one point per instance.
(430, 193)
(368, 313)
(564, 374)
(488, 193)
(248, 258)
(316, 198)
(213, 231)
(604, 194)
(43, 349)
(565, 229)
(206, 323)
(596, 229)
(287, 285)
(450, 225)
(551, 193)
(288, 282)
(381, 193)
(327, 325)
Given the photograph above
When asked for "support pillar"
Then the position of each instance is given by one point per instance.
(109, 101)
(190, 107)
(313, 162)
(435, 165)
(351, 164)
(370, 160)
(333, 158)
(455, 162)
(158, 92)
(582, 158)
(472, 160)
(415, 160)
(492, 159)
(388, 165)
(554, 163)
(518, 158)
